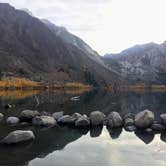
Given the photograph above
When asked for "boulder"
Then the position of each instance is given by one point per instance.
(45, 121)
(97, 118)
(66, 119)
(57, 115)
(28, 115)
(12, 120)
(163, 119)
(114, 120)
(82, 122)
(144, 119)
(18, 136)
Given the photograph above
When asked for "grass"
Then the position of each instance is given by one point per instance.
(73, 86)
(17, 83)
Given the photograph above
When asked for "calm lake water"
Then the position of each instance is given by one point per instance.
(63, 146)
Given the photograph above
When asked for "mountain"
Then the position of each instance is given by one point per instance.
(141, 63)
(38, 50)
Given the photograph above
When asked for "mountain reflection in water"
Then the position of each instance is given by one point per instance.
(65, 146)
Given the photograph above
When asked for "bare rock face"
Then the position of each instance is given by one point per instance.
(44, 121)
(97, 118)
(141, 63)
(144, 119)
(114, 120)
(18, 136)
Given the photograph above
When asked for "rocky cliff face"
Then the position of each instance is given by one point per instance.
(43, 52)
(141, 63)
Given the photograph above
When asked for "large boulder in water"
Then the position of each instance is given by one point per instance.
(18, 136)
(28, 115)
(12, 120)
(144, 119)
(97, 118)
(45, 121)
(114, 120)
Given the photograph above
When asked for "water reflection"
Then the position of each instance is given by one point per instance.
(95, 146)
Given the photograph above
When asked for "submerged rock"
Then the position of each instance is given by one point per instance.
(44, 121)
(57, 115)
(18, 136)
(82, 122)
(12, 120)
(114, 120)
(28, 115)
(97, 118)
(144, 119)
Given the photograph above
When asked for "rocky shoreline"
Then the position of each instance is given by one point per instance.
(143, 121)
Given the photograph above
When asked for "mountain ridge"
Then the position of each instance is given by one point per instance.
(29, 48)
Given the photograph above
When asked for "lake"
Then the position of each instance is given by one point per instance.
(63, 146)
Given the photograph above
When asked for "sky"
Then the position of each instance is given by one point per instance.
(108, 26)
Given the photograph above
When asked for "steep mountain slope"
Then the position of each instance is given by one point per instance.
(141, 63)
(29, 48)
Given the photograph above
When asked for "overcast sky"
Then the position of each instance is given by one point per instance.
(109, 26)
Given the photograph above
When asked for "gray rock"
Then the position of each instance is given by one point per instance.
(128, 122)
(114, 120)
(97, 118)
(44, 121)
(66, 119)
(163, 119)
(18, 136)
(57, 115)
(1, 116)
(144, 119)
(12, 120)
(28, 115)
(82, 122)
